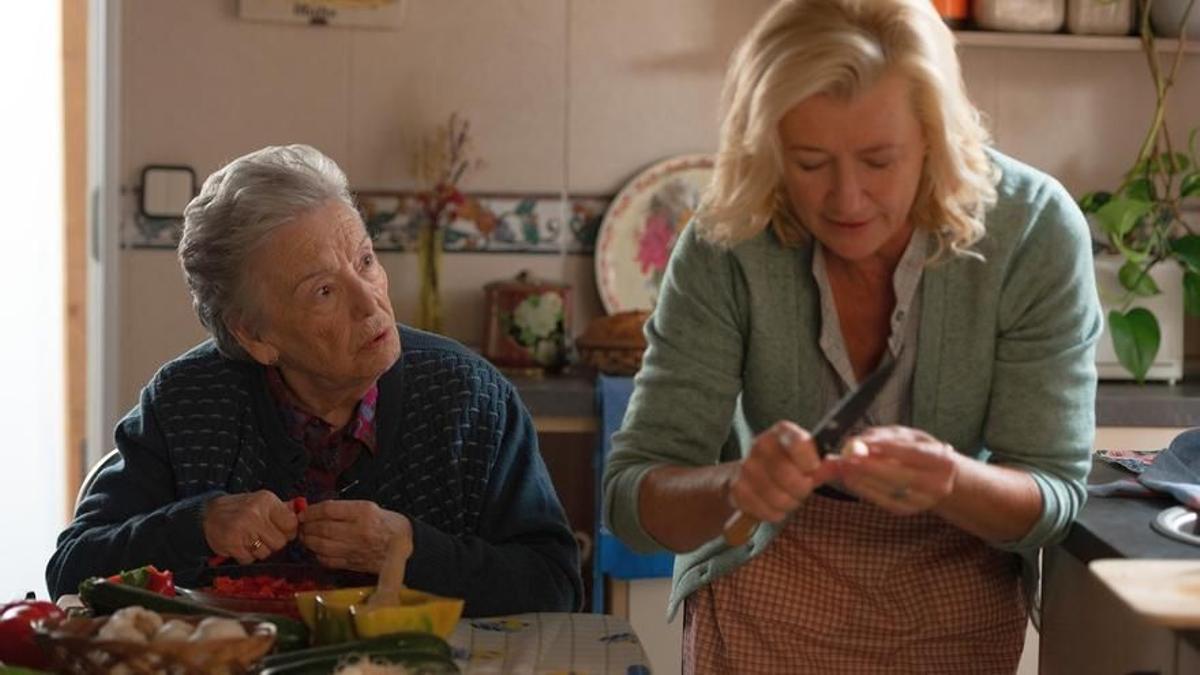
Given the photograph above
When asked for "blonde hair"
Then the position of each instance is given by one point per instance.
(801, 48)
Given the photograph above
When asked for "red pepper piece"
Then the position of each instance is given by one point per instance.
(160, 582)
(17, 646)
(299, 504)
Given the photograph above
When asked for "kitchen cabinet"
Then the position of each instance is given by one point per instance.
(1085, 627)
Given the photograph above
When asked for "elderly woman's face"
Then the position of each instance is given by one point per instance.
(852, 168)
(323, 299)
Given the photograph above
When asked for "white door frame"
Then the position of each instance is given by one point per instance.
(104, 219)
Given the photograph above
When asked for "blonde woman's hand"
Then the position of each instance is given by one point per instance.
(248, 526)
(352, 534)
(900, 469)
(780, 471)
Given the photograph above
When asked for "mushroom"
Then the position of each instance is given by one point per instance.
(140, 619)
(175, 630)
(217, 628)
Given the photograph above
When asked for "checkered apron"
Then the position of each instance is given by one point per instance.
(848, 588)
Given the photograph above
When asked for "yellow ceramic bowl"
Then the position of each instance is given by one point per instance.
(417, 611)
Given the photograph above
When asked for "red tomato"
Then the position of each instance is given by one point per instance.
(16, 632)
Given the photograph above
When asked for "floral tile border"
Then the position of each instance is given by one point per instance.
(484, 223)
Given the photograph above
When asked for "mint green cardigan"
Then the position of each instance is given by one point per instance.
(1004, 372)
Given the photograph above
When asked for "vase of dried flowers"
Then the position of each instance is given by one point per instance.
(442, 160)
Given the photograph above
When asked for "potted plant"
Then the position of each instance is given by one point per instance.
(1142, 221)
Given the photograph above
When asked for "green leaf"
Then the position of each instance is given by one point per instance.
(1119, 216)
(1092, 201)
(1163, 163)
(1191, 293)
(1190, 187)
(1187, 249)
(1140, 189)
(1135, 338)
(1127, 252)
(1135, 280)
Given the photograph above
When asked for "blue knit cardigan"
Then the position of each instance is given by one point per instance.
(457, 454)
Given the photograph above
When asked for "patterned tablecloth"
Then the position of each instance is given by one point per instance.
(575, 644)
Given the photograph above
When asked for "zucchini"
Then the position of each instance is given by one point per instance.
(416, 664)
(106, 597)
(411, 643)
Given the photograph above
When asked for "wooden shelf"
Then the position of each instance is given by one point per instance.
(1065, 42)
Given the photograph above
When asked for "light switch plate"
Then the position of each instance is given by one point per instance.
(166, 190)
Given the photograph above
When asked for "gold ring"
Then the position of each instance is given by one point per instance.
(256, 544)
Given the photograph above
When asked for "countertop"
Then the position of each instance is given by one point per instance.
(1119, 527)
(1118, 404)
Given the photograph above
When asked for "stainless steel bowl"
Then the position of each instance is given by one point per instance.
(1179, 523)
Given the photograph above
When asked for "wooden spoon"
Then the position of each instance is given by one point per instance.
(391, 577)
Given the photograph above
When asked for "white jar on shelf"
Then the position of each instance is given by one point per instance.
(1025, 16)
(1100, 17)
(1167, 15)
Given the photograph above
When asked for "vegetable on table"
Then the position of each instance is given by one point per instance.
(261, 586)
(106, 597)
(148, 577)
(17, 619)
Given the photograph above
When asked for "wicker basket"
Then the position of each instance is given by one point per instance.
(612, 360)
(614, 344)
(72, 648)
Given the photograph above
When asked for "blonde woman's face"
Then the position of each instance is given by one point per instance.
(852, 167)
(324, 300)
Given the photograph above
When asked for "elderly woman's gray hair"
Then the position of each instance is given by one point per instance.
(238, 207)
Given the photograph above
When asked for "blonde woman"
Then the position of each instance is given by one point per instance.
(857, 214)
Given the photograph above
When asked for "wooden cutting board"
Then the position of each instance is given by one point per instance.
(1164, 592)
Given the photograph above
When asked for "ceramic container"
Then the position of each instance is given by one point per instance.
(1100, 17)
(1166, 15)
(528, 321)
(1024, 16)
(955, 12)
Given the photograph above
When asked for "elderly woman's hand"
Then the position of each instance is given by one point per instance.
(352, 534)
(248, 526)
(780, 471)
(900, 469)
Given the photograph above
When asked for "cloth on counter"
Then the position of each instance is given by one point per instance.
(1174, 472)
(1135, 461)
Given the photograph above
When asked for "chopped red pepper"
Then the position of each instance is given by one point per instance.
(17, 647)
(299, 504)
(148, 577)
(261, 586)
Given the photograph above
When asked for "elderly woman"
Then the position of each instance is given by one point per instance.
(309, 388)
(857, 215)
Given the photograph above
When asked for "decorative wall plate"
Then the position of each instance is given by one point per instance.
(641, 227)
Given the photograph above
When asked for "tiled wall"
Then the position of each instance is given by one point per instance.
(568, 96)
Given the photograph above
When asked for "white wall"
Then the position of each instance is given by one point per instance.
(576, 94)
(32, 404)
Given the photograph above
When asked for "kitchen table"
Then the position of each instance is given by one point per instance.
(591, 644)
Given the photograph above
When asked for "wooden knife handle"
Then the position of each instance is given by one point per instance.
(739, 528)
